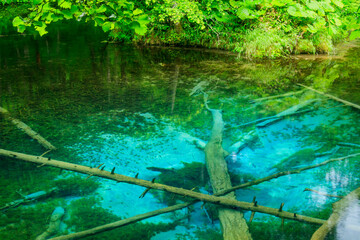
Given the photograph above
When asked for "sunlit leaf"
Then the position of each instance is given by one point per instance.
(338, 3)
(101, 9)
(137, 11)
(108, 26)
(64, 4)
(35, 2)
(354, 35)
(17, 22)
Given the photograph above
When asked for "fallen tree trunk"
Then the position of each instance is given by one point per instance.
(273, 119)
(28, 198)
(334, 218)
(149, 184)
(332, 97)
(322, 193)
(233, 224)
(284, 173)
(290, 111)
(250, 138)
(277, 96)
(121, 223)
(54, 225)
(22, 126)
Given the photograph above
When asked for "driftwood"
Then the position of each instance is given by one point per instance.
(338, 208)
(193, 140)
(284, 173)
(322, 193)
(273, 119)
(290, 111)
(332, 97)
(19, 124)
(54, 225)
(250, 138)
(28, 198)
(233, 224)
(345, 144)
(120, 223)
(277, 96)
(148, 184)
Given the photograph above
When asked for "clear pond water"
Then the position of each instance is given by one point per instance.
(141, 110)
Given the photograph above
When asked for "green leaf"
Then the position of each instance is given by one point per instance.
(101, 9)
(74, 9)
(107, 26)
(336, 21)
(338, 3)
(21, 28)
(245, 13)
(143, 19)
(67, 14)
(139, 29)
(292, 11)
(137, 11)
(41, 29)
(18, 22)
(354, 35)
(36, 2)
(64, 4)
(313, 5)
(326, 6)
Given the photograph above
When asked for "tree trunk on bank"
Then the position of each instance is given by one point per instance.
(338, 208)
(233, 224)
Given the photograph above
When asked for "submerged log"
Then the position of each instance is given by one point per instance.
(22, 126)
(338, 208)
(28, 198)
(322, 193)
(233, 224)
(284, 173)
(54, 225)
(290, 111)
(226, 202)
(121, 223)
(332, 97)
(277, 96)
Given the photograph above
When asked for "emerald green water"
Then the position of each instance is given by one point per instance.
(136, 108)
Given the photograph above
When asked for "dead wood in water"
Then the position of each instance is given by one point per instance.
(290, 111)
(277, 96)
(226, 202)
(27, 199)
(332, 97)
(322, 193)
(233, 224)
(121, 223)
(22, 126)
(284, 173)
(54, 224)
(338, 208)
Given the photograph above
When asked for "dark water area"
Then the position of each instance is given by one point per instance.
(141, 110)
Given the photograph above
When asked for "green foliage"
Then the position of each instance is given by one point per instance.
(255, 29)
(265, 41)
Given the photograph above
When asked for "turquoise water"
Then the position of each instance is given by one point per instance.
(137, 108)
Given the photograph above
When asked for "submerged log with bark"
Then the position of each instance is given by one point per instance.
(226, 202)
(22, 126)
(233, 224)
